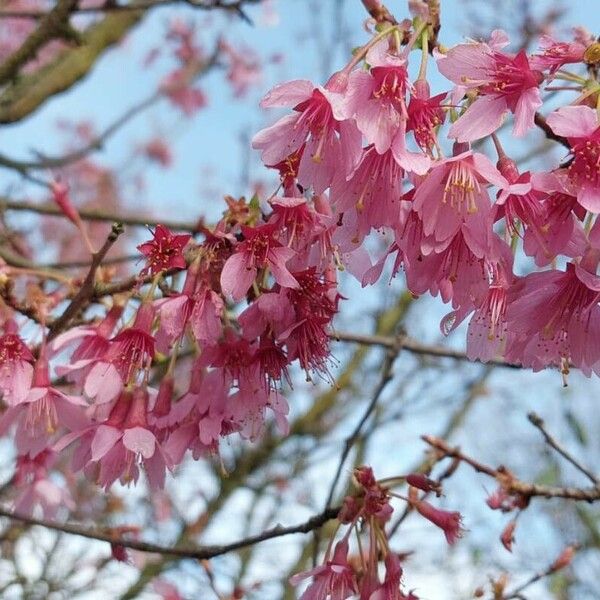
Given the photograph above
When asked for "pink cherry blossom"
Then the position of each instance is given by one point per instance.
(332, 141)
(505, 84)
(579, 124)
(16, 368)
(334, 580)
(259, 250)
(453, 197)
(555, 55)
(165, 251)
(557, 318)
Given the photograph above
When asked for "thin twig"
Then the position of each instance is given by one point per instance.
(86, 292)
(385, 378)
(510, 483)
(538, 423)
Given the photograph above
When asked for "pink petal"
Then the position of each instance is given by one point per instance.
(139, 440)
(529, 101)
(573, 121)
(289, 93)
(104, 440)
(589, 198)
(103, 383)
(236, 277)
(483, 117)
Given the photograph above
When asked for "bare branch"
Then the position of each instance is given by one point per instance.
(86, 292)
(538, 422)
(197, 552)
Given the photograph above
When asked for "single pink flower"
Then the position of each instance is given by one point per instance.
(259, 250)
(42, 411)
(425, 115)
(165, 251)
(332, 142)
(448, 521)
(579, 124)
(555, 55)
(334, 580)
(557, 317)
(16, 368)
(453, 197)
(158, 151)
(374, 191)
(130, 351)
(505, 84)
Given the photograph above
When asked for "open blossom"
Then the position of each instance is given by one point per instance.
(554, 54)
(42, 411)
(563, 231)
(129, 352)
(373, 191)
(164, 251)
(557, 317)
(16, 367)
(505, 84)
(335, 579)
(377, 99)
(453, 197)
(579, 124)
(259, 250)
(36, 487)
(332, 142)
(425, 115)
(114, 448)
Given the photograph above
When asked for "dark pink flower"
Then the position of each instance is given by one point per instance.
(448, 521)
(425, 115)
(165, 251)
(505, 84)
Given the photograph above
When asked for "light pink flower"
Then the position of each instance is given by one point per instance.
(332, 142)
(579, 124)
(334, 580)
(557, 317)
(505, 84)
(16, 368)
(555, 55)
(42, 411)
(453, 197)
(259, 250)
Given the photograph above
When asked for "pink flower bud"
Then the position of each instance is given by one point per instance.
(60, 195)
(564, 560)
(423, 483)
(508, 535)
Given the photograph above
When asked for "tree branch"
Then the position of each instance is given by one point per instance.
(197, 552)
(86, 292)
(510, 483)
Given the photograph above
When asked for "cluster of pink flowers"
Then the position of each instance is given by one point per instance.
(371, 139)
(362, 155)
(280, 262)
(344, 576)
